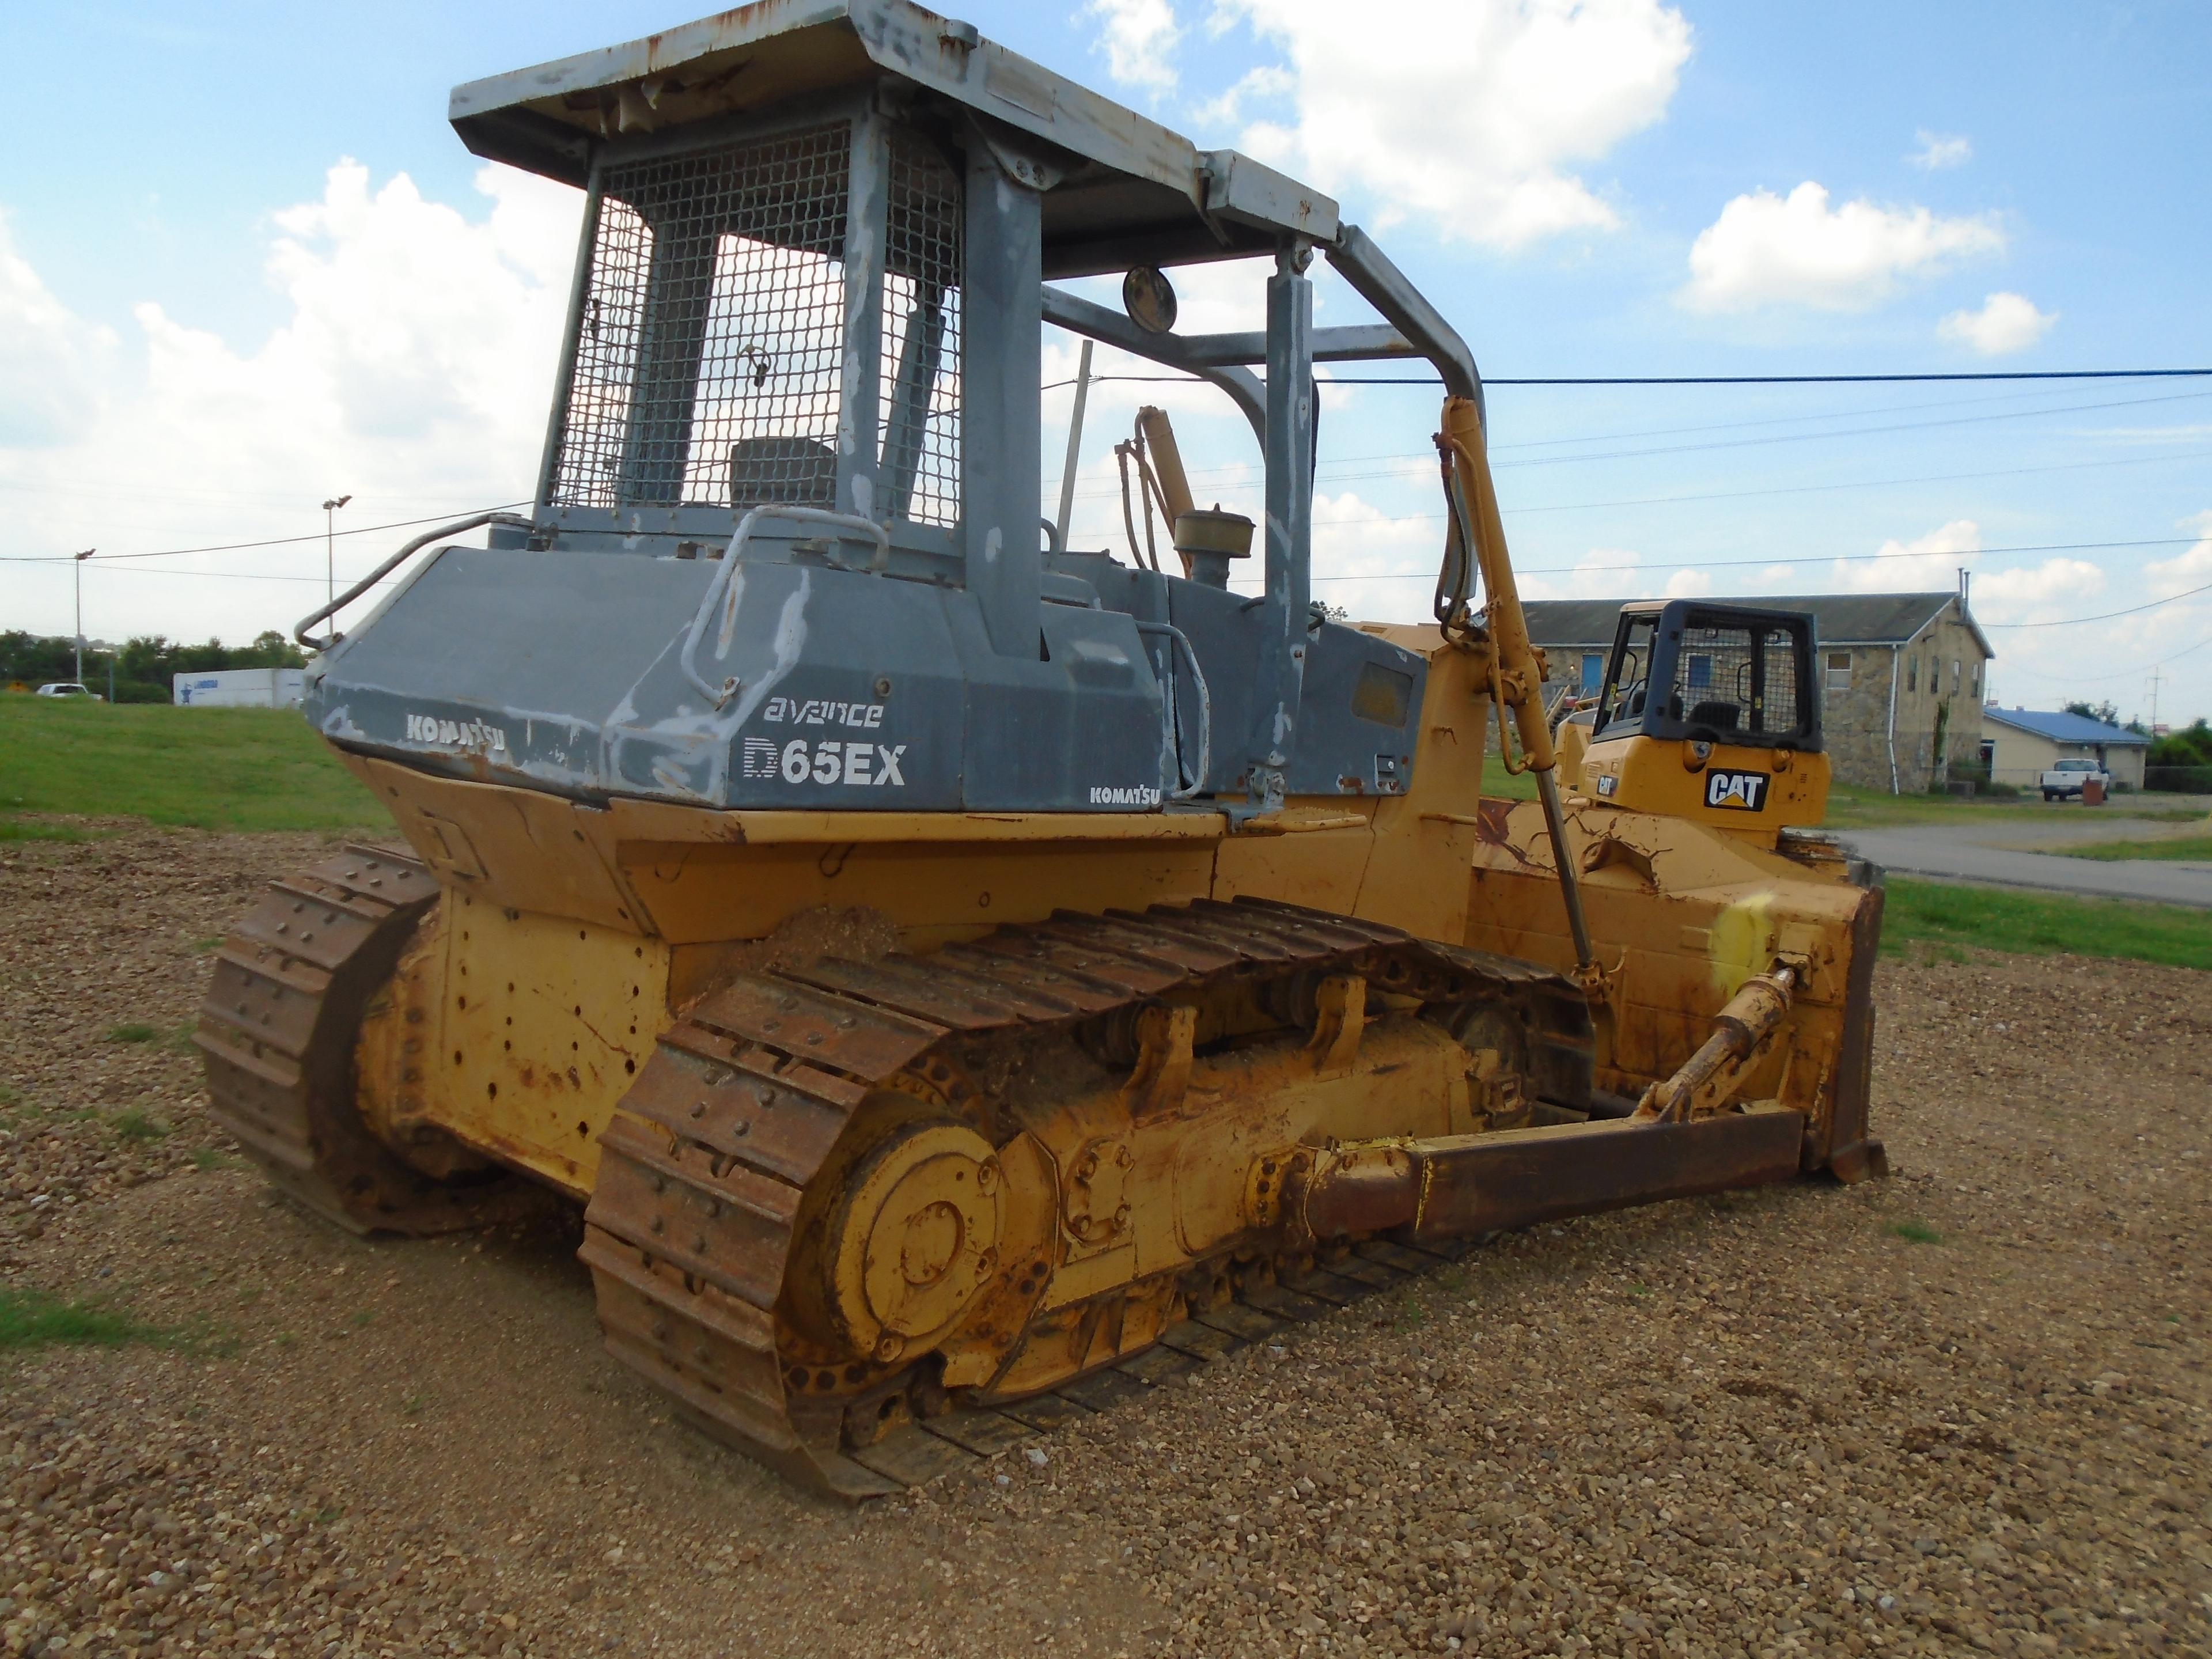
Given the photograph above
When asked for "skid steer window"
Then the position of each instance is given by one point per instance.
(1713, 683)
(1735, 682)
(1623, 701)
(1782, 710)
(710, 344)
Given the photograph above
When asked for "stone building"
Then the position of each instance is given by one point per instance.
(1901, 676)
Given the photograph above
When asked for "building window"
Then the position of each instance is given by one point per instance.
(1912, 673)
(1954, 677)
(1839, 671)
(1593, 672)
(1701, 673)
(1978, 680)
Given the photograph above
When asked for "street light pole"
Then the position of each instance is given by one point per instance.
(329, 546)
(77, 570)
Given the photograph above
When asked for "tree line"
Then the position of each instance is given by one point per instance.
(143, 666)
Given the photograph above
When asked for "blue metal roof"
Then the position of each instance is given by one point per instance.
(2062, 727)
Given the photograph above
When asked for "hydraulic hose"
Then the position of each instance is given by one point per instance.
(1517, 680)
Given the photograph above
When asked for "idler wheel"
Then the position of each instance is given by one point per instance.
(915, 1237)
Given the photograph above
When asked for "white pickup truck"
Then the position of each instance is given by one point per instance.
(2067, 777)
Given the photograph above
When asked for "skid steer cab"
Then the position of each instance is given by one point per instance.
(1708, 712)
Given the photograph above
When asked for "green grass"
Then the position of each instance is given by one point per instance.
(134, 1032)
(1919, 1231)
(1936, 914)
(2198, 847)
(1497, 781)
(205, 768)
(137, 1125)
(17, 830)
(1852, 808)
(31, 1319)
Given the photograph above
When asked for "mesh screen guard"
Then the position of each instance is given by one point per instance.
(710, 346)
(1737, 679)
(921, 337)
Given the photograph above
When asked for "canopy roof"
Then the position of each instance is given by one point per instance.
(1131, 192)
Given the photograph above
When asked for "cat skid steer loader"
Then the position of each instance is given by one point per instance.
(965, 978)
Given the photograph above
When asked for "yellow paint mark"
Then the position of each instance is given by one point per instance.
(1742, 942)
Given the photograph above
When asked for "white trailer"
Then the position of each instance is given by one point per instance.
(241, 688)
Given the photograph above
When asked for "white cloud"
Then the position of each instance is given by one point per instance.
(412, 368)
(1268, 80)
(1614, 573)
(1468, 114)
(51, 364)
(2006, 323)
(2192, 569)
(1357, 544)
(1938, 151)
(1139, 38)
(2051, 592)
(1766, 249)
(1923, 564)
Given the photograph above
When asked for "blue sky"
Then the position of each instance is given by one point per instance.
(208, 323)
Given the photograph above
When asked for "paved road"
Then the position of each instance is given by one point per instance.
(1964, 853)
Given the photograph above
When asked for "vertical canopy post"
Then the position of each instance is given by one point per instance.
(1001, 446)
(860, 370)
(1289, 441)
(679, 289)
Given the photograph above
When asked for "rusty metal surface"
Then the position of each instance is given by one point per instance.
(278, 1032)
(1850, 1152)
(706, 1168)
(1518, 1177)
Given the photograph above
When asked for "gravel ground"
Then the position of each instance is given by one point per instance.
(1963, 1409)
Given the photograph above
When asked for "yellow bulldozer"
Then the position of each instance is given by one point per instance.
(964, 977)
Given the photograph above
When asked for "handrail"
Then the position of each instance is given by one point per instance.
(719, 587)
(299, 628)
(1205, 707)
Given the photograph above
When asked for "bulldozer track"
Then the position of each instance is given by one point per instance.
(704, 1168)
(277, 1031)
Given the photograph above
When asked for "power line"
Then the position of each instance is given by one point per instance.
(1815, 558)
(2132, 611)
(1560, 570)
(1412, 457)
(2054, 375)
(1862, 484)
(1715, 379)
(280, 541)
(1796, 490)
(1496, 449)
(219, 576)
(2072, 678)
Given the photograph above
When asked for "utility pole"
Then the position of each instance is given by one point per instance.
(1074, 447)
(2155, 675)
(329, 546)
(77, 569)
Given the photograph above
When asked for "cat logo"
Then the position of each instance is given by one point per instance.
(1741, 792)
